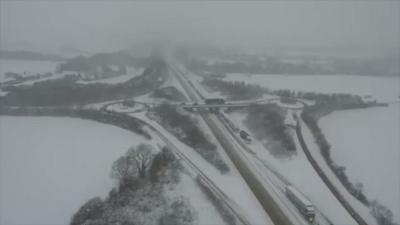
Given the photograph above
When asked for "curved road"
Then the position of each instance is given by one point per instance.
(325, 178)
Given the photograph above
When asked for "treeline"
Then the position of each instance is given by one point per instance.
(143, 201)
(235, 90)
(103, 60)
(185, 128)
(29, 55)
(269, 66)
(325, 150)
(327, 103)
(385, 66)
(117, 119)
(169, 93)
(19, 78)
(66, 91)
(382, 214)
(268, 123)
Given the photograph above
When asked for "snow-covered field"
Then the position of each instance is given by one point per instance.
(119, 107)
(50, 166)
(362, 210)
(195, 80)
(30, 67)
(380, 88)
(367, 143)
(131, 73)
(214, 60)
(26, 67)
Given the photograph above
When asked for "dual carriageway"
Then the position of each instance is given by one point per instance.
(266, 183)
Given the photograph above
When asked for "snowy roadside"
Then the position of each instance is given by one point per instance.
(314, 150)
(297, 170)
(232, 184)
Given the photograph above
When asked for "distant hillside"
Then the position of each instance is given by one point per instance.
(29, 55)
(85, 64)
(373, 66)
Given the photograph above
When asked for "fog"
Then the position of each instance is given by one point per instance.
(109, 25)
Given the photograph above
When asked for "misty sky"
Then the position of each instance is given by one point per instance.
(102, 25)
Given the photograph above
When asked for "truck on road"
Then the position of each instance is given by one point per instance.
(304, 205)
(214, 101)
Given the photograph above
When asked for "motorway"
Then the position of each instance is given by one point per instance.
(266, 183)
(278, 181)
(244, 166)
(212, 123)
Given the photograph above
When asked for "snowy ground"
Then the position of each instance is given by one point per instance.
(232, 183)
(298, 171)
(296, 105)
(172, 81)
(55, 76)
(366, 142)
(380, 88)
(131, 73)
(50, 166)
(195, 80)
(26, 67)
(3, 93)
(305, 178)
(314, 150)
(119, 107)
(214, 60)
(206, 212)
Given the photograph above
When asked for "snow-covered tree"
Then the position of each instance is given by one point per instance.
(382, 214)
(141, 156)
(180, 212)
(89, 212)
(122, 170)
(132, 165)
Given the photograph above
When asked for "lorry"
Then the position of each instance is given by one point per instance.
(304, 205)
(214, 101)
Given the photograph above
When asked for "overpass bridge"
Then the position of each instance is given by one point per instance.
(243, 104)
(211, 106)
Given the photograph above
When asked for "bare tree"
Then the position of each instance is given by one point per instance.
(359, 187)
(142, 157)
(382, 214)
(133, 164)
